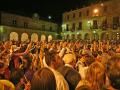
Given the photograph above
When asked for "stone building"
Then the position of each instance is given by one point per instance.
(100, 21)
(17, 27)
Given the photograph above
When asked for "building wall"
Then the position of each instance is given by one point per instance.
(104, 14)
(21, 24)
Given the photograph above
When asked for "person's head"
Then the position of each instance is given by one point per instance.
(6, 85)
(53, 59)
(83, 85)
(69, 59)
(96, 75)
(16, 76)
(113, 71)
(43, 79)
(7, 44)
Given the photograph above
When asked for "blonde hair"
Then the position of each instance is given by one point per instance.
(6, 84)
(96, 75)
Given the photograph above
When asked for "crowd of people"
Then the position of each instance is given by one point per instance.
(59, 65)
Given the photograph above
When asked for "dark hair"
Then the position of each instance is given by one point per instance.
(16, 76)
(113, 71)
(49, 56)
(43, 79)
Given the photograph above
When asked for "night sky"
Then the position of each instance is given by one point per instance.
(44, 8)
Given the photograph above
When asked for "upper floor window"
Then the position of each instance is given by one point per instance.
(105, 8)
(25, 24)
(87, 13)
(43, 27)
(116, 22)
(80, 26)
(73, 15)
(67, 17)
(73, 27)
(14, 22)
(95, 24)
(50, 28)
(104, 24)
(80, 14)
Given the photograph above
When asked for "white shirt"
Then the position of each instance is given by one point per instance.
(60, 81)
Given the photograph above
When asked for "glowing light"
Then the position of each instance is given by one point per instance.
(89, 22)
(49, 17)
(96, 11)
(77, 32)
(94, 31)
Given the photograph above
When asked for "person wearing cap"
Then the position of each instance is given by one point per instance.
(68, 71)
(84, 62)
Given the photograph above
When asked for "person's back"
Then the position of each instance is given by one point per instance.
(113, 72)
(53, 61)
(43, 79)
(70, 75)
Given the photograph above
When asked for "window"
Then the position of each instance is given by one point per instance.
(80, 14)
(95, 24)
(87, 12)
(80, 26)
(104, 24)
(115, 22)
(67, 27)
(25, 24)
(14, 22)
(50, 28)
(105, 8)
(67, 17)
(73, 15)
(43, 27)
(73, 27)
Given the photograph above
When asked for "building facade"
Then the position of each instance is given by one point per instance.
(22, 28)
(99, 21)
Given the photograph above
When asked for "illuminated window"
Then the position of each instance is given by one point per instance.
(14, 22)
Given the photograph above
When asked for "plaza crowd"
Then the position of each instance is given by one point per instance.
(59, 65)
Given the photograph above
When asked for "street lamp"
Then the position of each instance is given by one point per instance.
(49, 17)
(96, 11)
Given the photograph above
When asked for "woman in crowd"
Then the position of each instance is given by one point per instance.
(96, 75)
(43, 79)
